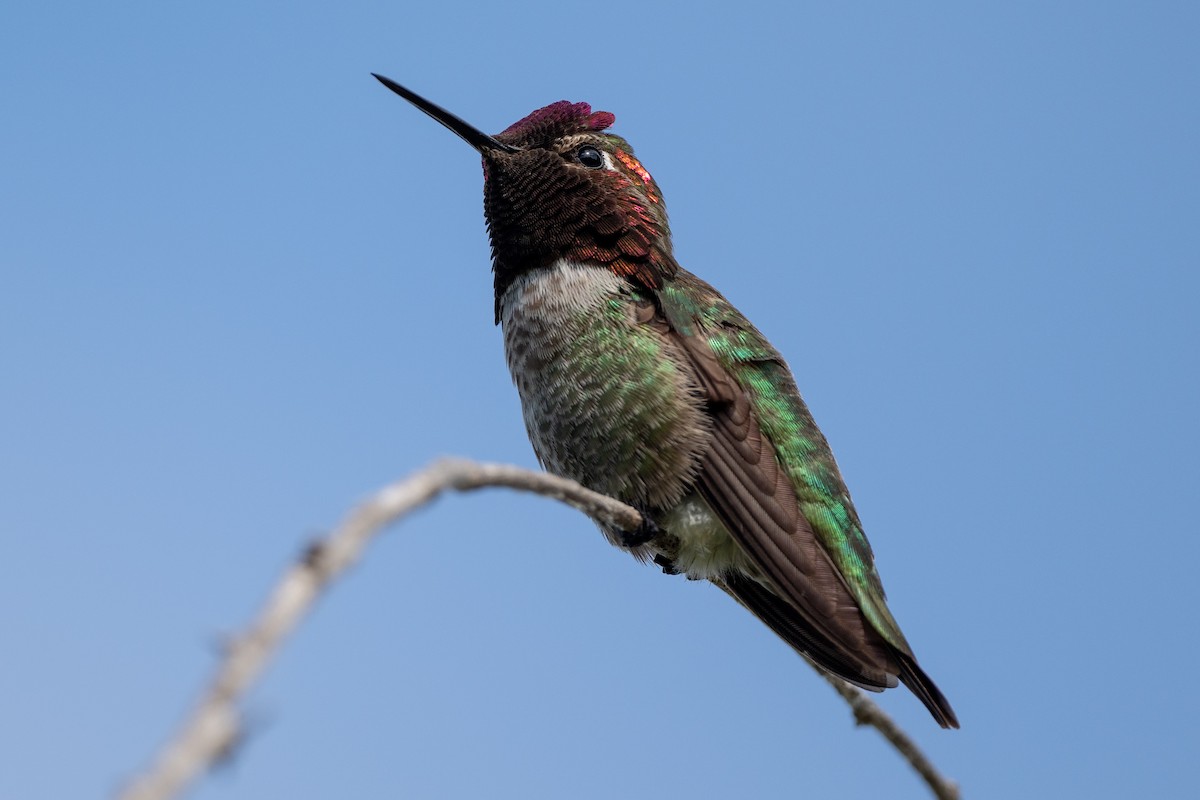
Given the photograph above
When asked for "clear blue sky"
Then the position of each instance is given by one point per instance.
(244, 285)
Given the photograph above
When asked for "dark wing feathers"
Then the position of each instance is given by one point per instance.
(803, 596)
(745, 485)
(781, 617)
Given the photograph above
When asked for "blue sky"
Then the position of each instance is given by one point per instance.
(244, 285)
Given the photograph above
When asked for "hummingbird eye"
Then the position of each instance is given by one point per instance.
(590, 157)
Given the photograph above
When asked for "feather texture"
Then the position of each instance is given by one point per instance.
(640, 381)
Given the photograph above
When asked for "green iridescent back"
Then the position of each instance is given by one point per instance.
(695, 309)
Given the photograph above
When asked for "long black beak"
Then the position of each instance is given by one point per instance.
(469, 133)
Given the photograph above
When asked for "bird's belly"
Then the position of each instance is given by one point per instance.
(608, 401)
(701, 544)
(613, 403)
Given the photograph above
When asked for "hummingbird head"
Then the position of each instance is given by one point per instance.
(556, 186)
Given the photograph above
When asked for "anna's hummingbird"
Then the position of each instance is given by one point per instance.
(640, 381)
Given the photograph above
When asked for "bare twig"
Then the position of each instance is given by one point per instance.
(214, 727)
(867, 712)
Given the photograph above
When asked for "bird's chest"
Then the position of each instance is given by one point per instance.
(608, 399)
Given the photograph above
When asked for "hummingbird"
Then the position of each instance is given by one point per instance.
(641, 381)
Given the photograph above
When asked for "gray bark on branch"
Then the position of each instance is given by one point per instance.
(214, 727)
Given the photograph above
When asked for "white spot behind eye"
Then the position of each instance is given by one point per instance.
(608, 161)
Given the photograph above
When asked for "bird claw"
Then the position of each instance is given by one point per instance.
(668, 566)
(640, 535)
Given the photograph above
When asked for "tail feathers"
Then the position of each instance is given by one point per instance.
(926, 691)
(791, 626)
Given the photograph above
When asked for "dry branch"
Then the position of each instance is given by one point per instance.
(214, 727)
(867, 712)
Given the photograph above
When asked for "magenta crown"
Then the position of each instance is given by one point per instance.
(554, 121)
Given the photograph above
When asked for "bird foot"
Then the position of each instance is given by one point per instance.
(668, 566)
(640, 535)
